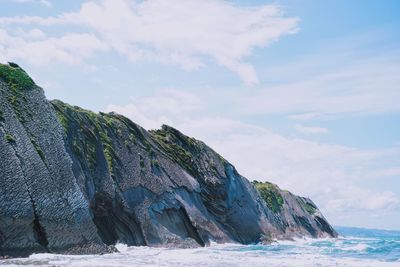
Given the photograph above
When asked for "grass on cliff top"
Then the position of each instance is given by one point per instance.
(270, 194)
(91, 129)
(18, 80)
(178, 147)
(186, 151)
(104, 126)
(15, 76)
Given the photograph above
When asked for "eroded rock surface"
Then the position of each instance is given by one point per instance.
(73, 181)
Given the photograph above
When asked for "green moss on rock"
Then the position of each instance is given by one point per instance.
(10, 138)
(38, 150)
(91, 131)
(61, 117)
(15, 77)
(109, 155)
(270, 194)
(307, 206)
(178, 147)
(310, 209)
(18, 81)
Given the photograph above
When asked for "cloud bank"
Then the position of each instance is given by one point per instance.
(190, 34)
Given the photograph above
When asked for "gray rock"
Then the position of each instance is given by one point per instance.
(41, 206)
(73, 181)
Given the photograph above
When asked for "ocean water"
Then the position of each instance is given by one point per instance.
(356, 247)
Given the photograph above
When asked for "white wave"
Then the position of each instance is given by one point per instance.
(358, 247)
(121, 247)
(215, 255)
(359, 238)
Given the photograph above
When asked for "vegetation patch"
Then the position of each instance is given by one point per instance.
(270, 194)
(60, 116)
(76, 148)
(88, 129)
(108, 150)
(38, 149)
(19, 81)
(15, 77)
(136, 135)
(90, 150)
(10, 138)
(307, 206)
(109, 155)
(177, 146)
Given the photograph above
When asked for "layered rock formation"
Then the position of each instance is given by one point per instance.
(73, 181)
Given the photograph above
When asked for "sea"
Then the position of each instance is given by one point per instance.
(354, 247)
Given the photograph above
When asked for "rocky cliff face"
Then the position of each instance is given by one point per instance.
(73, 181)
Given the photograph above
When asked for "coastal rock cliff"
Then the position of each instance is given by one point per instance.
(73, 181)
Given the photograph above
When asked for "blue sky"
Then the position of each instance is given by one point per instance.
(301, 93)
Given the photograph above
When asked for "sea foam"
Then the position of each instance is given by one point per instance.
(371, 251)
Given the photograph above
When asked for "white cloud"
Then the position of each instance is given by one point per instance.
(43, 2)
(46, 3)
(23, 1)
(387, 172)
(354, 199)
(36, 34)
(188, 33)
(383, 201)
(304, 116)
(310, 130)
(135, 113)
(72, 48)
(358, 88)
(32, 34)
(152, 111)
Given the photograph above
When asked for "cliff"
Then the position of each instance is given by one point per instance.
(73, 181)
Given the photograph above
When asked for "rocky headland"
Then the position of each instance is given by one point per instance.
(74, 181)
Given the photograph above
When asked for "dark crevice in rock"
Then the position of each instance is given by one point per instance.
(190, 228)
(114, 223)
(38, 229)
(2, 239)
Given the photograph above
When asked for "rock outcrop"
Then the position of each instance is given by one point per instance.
(73, 181)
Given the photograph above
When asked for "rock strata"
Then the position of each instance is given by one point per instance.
(73, 181)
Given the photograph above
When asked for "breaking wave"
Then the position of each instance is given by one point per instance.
(356, 250)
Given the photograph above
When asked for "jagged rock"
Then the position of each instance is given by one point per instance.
(72, 181)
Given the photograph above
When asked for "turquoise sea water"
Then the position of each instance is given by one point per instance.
(368, 243)
(355, 247)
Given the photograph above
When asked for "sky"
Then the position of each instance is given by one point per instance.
(302, 93)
